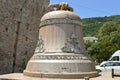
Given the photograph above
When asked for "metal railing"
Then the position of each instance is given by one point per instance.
(115, 74)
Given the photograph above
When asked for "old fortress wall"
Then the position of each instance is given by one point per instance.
(19, 27)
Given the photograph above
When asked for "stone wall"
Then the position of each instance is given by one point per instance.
(19, 27)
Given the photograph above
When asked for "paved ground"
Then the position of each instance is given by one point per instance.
(19, 76)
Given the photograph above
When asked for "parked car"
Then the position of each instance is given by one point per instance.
(108, 65)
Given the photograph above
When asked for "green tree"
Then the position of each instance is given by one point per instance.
(108, 43)
(108, 38)
(92, 49)
(108, 28)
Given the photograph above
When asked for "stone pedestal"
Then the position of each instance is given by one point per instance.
(60, 51)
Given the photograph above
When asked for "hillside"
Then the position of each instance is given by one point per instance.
(92, 25)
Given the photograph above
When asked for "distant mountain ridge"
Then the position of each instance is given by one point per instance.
(92, 25)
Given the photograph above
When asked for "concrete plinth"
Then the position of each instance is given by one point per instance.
(20, 76)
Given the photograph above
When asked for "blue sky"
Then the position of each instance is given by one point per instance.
(93, 8)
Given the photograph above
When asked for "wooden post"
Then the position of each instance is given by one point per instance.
(112, 73)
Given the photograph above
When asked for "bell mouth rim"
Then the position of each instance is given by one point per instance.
(63, 75)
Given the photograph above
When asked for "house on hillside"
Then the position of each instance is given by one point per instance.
(91, 39)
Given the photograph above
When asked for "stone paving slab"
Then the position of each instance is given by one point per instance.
(20, 76)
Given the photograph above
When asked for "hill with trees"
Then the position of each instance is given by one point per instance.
(92, 25)
(107, 30)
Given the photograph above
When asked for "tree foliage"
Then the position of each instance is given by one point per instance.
(108, 43)
(91, 26)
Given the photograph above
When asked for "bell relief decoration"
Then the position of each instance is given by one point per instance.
(72, 45)
(40, 46)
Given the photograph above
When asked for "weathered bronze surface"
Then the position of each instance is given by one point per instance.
(60, 51)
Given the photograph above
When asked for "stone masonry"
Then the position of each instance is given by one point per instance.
(19, 29)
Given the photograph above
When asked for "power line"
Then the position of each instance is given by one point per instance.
(85, 7)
